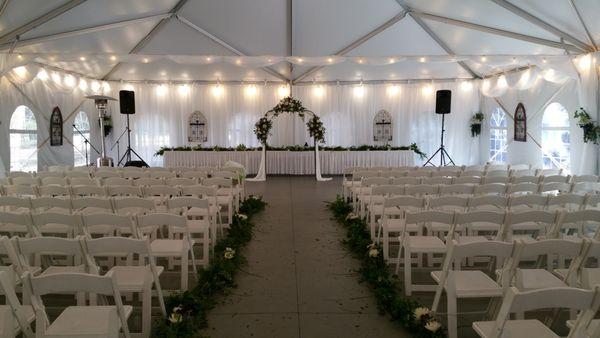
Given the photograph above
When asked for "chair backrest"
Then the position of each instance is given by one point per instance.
(490, 189)
(541, 219)
(41, 204)
(388, 190)
(12, 202)
(483, 216)
(404, 203)
(83, 181)
(533, 202)
(566, 248)
(496, 166)
(580, 220)
(434, 180)
(51, 180)
(428, 216)
(477, 167)
(449, 203)
(199, 190)
(359, 175)
(473, 173)
(523, 173)
(549, 172)
(134, 174)
(460, 251)
(518, 167)
(88, 190)
(75, 282)
(14, 174)
(146, 181)
(586, 187)
(220, 182)
(9, 218)
(107, 173)
(525, 179)
(555, 187)
(197, 175)
(497, 173)
(516, 301)
(421, 190)
(496, 179)
(7, 288)
(570, 202)
(82, 203)
(48, 246)
(224, 174)
(77, 174)
(24, 180)
(117, 221)
(119, 190)
(180, 181)
(21, 190)
(54, 190)
(162, 174)
(419, 173)
(161, 190)
(584, 178)
(116, 181)
(556, 179)
(406, 180)
(371, 181)
(133, 205)
(457, 189)
(181, 204)
(467, 180)
(72, 221)
(394, 173)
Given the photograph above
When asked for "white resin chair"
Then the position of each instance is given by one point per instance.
(121, 190)
(586, 302)
(16, 223)
(586, 187)
(197, 224)
(90, 205)
(162, 174)
(116, 181)
(208, 193)
(490, 189)
(106, 224)
(160, 194)
(24, 180)
(88, 190)
(134, 206)
(56, 223)
(523, 173)
(42, 252)
(77, 174)
(522, 188)
(15, 318)
(51, 204)
(146, 181)
(555, 188)
(83, 181)
(362, 195)
(472, 180)
(458, 283)
(392, 219)
(79, 321)
(527, 202)
(525, 179)
(196, 175)
(448, 204)
(104, 173)
(21, 190)
(180, 181)
(14, 174)
(15, 204)
(52, 180)
(549, 172)
(130, 278)
(576, 224)
(566, 202)
(478, 225)
(172, 248)
(584, 178)
(555, 179)
(54, 191)
(435, 180)
(134, 174)
(375, 208)
(457, 190)
(496, 179)
(421, 190)
(528, 225)
(406, 181)
(225, 194)
(473, 172)
(419, 244)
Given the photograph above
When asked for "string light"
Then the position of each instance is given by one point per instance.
(20, 57)
(145, 60)
(208, 59)
(82, 58)
(393, 90)
(161, 90)
(56, 78)
(422, 59)
(105, 87)
(183, 89)
(42, 75)
(360, 61)
(128, 86)
(69, 81)
(330, 60)
(217, 90)
(484, 58)
(319, 91)
(391, 60)
(544, 60)
(113, 58)
(250, 90)
(283, 91)
(428, 89)
(83, 85)
(96, 86)
(466, 86)
(21, 71)
(359, 91)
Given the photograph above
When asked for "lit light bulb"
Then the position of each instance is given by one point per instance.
(105, 87)
(82, 58)
(42, 75)
(483, 58)
(56, 78)
(422, 59)
(161, 90)
(360, 61)
(428, 89)
(318, 91)
(113, 58)
(392, 60)
(283, 91)
(96, 86)
(69, 81)
(584, 62)
(359, 91)
(21, 71)
(208, 59)
(83, 84)
(250, 90)
(217, 90)
(393, 90)
(128, 86)
(183, 89)
(466, 86)
(330, 60)
(145, 60)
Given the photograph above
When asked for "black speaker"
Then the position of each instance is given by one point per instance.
(443, 100)
(127, 101)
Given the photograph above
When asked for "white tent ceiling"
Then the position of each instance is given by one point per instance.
(303, 28)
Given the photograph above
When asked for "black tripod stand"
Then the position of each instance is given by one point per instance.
(129, 150)
(86, 142)
(441, 150)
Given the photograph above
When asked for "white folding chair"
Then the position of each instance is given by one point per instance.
(419, 244)
(584, 178)
(527, 202)
(162, 174)
(146, 181)
(52, 180)
(180, 181)
(363, 195)
(116, 181)
(15, 174)
(134, 174)
(549, 172)
(51, 173)
(375, 208)
(421, 190)
(88, 190)
(225, 195)
(523, 173)
(83, 181)
(457, 189)
(120, 190)
(448, 204)
(458, 283)
(15, 318)
(204, 192)
(473, 172)
(16, 223)
(15, 204)
(197, 224)
(525, 179)
(586, 302)
(196, 175)
(133, 206)
(490, 189)
(392, 219)
(135, 279)
(406, 181)
(577, 224)
(21, 190)
(566, 202)
(24, 180)
(172, 248)
(556, 179)
(77, 174)
(60, 191)
(90, 205)
(55, 223)
(106, 224)
(529, 225)
(519, 167)
(436, 180)
(586, 187)
(496, 173)
(467, 180)
(555, 188)
(51, 204)
(107, 173)
(160, 194)
(79, 321)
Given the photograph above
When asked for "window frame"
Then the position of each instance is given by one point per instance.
(12, 131)
(564, 128)
(502, 128)
(88, 135)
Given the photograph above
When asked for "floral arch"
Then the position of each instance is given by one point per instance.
(263, 127)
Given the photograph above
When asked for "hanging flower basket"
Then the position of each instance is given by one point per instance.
(476, 122)
(591, 130)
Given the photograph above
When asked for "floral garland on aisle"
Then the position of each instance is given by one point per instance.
(288, 104)
(188, 310)
(418, 320)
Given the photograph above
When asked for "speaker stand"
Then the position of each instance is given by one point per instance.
(129, 150)
(445, 158)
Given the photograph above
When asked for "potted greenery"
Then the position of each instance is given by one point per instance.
(476, 122)
(591, 130)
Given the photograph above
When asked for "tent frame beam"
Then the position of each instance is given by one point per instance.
(148, 36)
(541, 23)
(496, 31)
(14, 34)
(356, 43)
(226, 45)
(4, 6)
(86, 30)
(585, 27)
(437, 39)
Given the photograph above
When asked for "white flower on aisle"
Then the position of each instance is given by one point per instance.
(176, 316)
(242, 217)
(229, 253)
(420, 312)
(373, 251)
(433, 325)
(351, 216)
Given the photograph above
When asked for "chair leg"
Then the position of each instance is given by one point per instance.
(205, 248)
(452, 315)
(146, 311)
(386, 245)
(184, 270)
(407, 270)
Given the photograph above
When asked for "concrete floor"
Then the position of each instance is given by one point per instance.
(299, 281)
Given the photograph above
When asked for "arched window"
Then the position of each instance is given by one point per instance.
(197, 130)
(23, 140)
(498, 136)
(382, 127)
(556, 139)
(80, 147)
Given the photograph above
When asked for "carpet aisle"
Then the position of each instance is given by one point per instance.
(299, 281)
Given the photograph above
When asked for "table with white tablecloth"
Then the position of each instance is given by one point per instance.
(291, 162)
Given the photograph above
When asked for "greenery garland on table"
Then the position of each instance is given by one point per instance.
(288, 104)
(241, 147)
(375, 272)
(188, 310)
(476, 122)
(591, 129)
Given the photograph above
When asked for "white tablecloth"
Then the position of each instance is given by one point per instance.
(291, 162)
